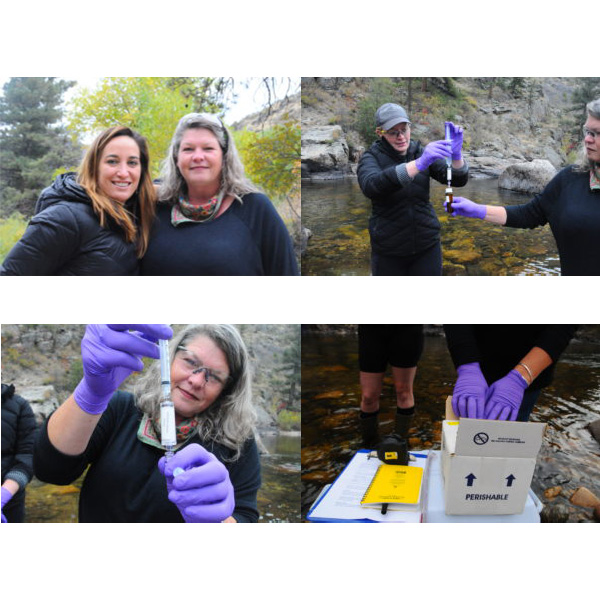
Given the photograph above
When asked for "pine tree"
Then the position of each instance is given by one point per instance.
(33, 144)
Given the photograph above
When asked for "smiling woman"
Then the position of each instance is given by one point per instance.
(96, 222)
(214, 473)
(211, 220)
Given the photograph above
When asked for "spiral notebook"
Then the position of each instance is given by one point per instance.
(341, 501)
(397, 486)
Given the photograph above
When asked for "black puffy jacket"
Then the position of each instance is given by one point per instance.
(403, 221)
(18, 435)
(65, 238)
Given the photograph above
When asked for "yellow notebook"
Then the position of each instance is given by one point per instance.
(395, 484)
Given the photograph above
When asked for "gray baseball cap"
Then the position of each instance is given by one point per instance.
(389, 115)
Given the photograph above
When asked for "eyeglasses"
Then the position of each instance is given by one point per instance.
(591, 132)
(192, 365)
(396, 133)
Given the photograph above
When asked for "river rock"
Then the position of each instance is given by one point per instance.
(583, 497)
(325, 150)
(527, 177)
(594, 428)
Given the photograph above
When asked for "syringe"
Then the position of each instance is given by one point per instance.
(168, 437)
(449, 193)
(449, 158)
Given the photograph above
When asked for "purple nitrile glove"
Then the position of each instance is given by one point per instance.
(433, 152)
(463, 207)
(6, 496)
(505, 397)
(110, 353)
(456, 133)
(203, 492)
(468, 398)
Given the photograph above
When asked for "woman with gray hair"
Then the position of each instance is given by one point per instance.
(214, 473)
(570, 204)
(211, 220)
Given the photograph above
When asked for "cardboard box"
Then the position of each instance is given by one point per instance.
(488, 465)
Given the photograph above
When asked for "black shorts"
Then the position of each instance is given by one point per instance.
(397, 345)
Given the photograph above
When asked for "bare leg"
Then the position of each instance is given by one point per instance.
(403, 382)
(371, 386)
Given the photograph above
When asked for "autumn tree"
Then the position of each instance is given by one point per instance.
(150, 105)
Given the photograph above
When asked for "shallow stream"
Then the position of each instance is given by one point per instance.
(337, 214)
(569, 456)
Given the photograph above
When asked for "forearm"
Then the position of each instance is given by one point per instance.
(495, 214)
(533, 363)
(70, 428)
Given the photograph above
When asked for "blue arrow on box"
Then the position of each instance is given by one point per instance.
(470, 478)
(509, 480)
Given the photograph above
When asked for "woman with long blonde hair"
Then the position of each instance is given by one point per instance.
(96, 221)
(211, 220)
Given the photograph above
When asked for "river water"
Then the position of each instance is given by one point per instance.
(569, 456)
(278, 497)
(337, 214)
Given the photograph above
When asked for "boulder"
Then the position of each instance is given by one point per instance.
(527, 177)
(42, 399)
(324, 149)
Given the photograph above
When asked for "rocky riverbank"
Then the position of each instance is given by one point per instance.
(44, 364)
(529, 128)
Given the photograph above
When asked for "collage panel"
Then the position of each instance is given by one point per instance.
(453, 176)
(150, 176)
(150, 423)
(497, 423)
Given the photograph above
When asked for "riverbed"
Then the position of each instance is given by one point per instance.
(337, 214)
(569, 456)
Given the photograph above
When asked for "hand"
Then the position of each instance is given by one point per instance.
(433, 152)
(463, 207)
(203, 493)
(456, 134)
(6, 496)
(505, 397)
(110, 353)
(468, 398)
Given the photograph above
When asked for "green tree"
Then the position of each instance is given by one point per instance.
(33, 143)
(150, 105)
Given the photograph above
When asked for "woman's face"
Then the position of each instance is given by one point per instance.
(120, 168)
(592, 145)
(198, 376)
(200, 160)
(399, 137)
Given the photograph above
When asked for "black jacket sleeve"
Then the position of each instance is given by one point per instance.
(21, 469)
(462, 344)
(246, 480)
(50, 240)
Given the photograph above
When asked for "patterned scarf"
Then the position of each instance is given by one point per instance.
(149, 431)
(595, 178)
(185, 212)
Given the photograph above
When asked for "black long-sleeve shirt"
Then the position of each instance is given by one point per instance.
(572, 210)
(499, 348)
(124, 484)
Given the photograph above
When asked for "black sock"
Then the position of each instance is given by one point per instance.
(368, 415)
(405, 411)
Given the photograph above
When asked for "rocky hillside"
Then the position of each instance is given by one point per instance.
(503, 125)
(287, 109)
(44, 364)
